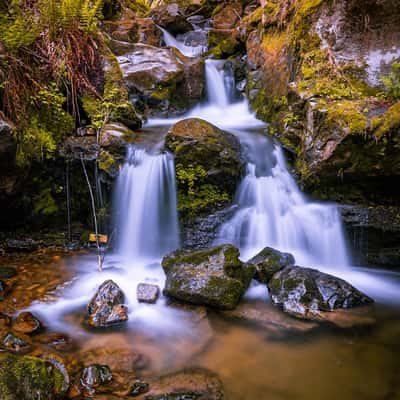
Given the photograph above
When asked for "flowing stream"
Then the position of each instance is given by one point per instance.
(270, 211)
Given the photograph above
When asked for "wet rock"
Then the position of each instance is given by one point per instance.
(308, 293)
(26, 323)
(147, 293)
(59, 341)
(15, 342)
(30, 378)
(200, 232)
(7, 272)
(117, 358)
(374, 233)
(94, 376)
(114, 137)
(214, 277)
(170, 17)
(106, 307)
(269, 261)
(138, 387)
(190, 384)
(196, 38)
(208, 165)
(265, 316)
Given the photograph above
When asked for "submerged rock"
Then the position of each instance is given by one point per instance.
(214, 277)
(208, 165)
(106, 307)
(269, 261)
(16, 342)
(308, 293)
(138, 387)
(26, 323)
(147, 293)
(190, 384)
(30, 378)
(94, 376)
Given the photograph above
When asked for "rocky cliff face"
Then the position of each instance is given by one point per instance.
(315, 71)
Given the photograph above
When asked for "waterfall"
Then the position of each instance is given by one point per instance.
(273, 212)
(146, 213)
(271, 209)
(217, 90)
(188, 51)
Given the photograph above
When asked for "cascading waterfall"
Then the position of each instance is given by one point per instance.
(273, 212)
(147, 218)
(188, 51)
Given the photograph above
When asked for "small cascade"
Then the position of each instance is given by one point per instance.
(273, 212)
(145, 202)
(217, 91)
(188, 51)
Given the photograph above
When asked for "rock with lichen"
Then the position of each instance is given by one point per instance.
(214, 277)
(208, 165)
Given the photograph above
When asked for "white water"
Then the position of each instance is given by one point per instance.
(188, 51)
(219, 109)
(271, 212)
(145, 203)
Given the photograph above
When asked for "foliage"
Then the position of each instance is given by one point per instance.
(194, 195)
(50, 57)
(392, 82)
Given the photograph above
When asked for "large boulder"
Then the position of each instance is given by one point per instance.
(269, 261)
(214, 277)
(30, 378)
(208, 165)
(309, 294)
(107, 306)
(162, 78)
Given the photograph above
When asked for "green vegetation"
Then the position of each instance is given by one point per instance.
(50, 57)
(194, 195)
(392, 82)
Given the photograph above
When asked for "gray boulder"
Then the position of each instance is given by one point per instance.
(308, 293)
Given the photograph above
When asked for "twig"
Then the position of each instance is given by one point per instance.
(99, 260)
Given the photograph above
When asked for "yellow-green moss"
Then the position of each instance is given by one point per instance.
(387, 123)
(347, 114)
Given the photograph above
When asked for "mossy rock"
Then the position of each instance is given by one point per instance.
(269, 261)
(29, 378)
(214, 277)
(208, 165)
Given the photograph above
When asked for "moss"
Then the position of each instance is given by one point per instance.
(388, 123)
(291, 284)
(29, 378)
(346, 114)
(106, 161)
